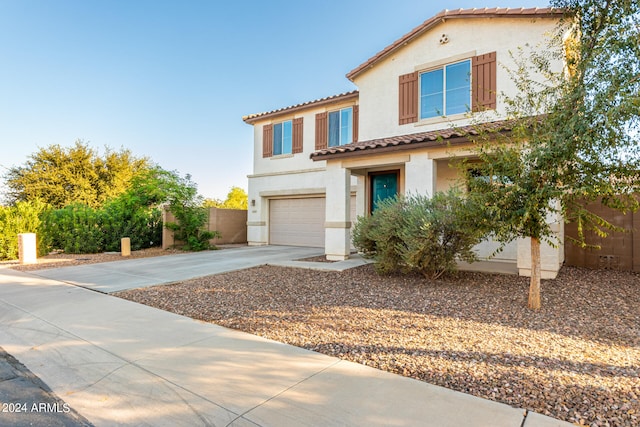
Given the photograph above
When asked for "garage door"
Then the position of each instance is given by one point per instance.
(297, 222)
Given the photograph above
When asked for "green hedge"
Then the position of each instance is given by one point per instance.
(82, 229)
(79, 228)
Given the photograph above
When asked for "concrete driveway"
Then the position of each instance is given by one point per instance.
(137, 273)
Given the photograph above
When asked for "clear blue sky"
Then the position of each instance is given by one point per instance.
(171, 80)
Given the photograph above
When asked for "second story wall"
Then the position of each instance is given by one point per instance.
(451, 47)
(283, 140)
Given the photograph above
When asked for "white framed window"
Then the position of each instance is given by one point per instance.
(340, 127)
(282, 138)
(445, 91)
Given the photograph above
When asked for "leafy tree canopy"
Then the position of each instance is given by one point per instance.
(62, 176)
(573, 132)
(236, 199)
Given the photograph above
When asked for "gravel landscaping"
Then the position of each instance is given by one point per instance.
(577, 359)
(61, 259)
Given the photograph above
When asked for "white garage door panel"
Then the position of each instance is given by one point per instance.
(297, 222)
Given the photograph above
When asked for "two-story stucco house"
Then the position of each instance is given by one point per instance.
(319, 164)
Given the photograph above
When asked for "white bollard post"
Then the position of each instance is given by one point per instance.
(27, 251)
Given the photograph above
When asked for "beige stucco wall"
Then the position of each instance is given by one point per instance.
(467, 37)
(292, 162)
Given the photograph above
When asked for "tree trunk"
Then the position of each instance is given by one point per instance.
(534, 287)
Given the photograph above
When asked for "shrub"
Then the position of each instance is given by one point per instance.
(124, 218)
(76, 229)
(379, 235)
(188, 228)
(419, 234)
(436, 232)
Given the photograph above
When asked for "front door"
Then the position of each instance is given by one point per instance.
(383, 186)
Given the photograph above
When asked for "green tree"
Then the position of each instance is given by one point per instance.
(62, 176)
(573, 134)
(236, 199)
(187, 206)
(158, 187)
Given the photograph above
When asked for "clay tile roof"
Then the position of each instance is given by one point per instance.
(532, 12)
(410, 141)
(327, 100)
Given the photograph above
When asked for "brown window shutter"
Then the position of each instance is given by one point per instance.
(297, 136)
(267, 141)
(408, 99)
(321, 131)
(484, 88)
(356, 122)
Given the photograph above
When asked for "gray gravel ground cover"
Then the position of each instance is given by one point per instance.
(577, 359)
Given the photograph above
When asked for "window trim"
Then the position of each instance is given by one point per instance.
(483, 88)
(340, 133)
(443, 67)
(282, 139)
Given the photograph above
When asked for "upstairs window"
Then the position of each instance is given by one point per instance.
(446, 91)
(340, 127)
(282, 138)
(454, 88)
(336, 128)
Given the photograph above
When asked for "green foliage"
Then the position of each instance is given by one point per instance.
(438, 231)
(420, 234)
(236, 199)
(187, 207)
(574, 132)
(23, 217)
(574, 135)
(75, 229)
(75, 175)
(83, 229)
(128, 202)
(188, 227)
(379, 234)
(124, 218)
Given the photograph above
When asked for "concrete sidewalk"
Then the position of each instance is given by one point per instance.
(117, 276)
(121, 363)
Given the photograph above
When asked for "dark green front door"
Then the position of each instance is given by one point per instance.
(383, 186)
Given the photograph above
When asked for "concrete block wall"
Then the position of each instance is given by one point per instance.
(230, 223)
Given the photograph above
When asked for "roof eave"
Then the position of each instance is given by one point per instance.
(370, 151)
(440, 18)
(253, 118)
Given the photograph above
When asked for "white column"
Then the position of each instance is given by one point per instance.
(420, 175)
(361, 199)
(337, 225)
(257, 215)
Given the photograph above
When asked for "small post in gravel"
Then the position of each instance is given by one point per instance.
(125, 246)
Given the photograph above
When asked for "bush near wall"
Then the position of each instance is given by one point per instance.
(82, 229)
(23, 217)
(420, 234)
(142, 224)
(74, 229)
